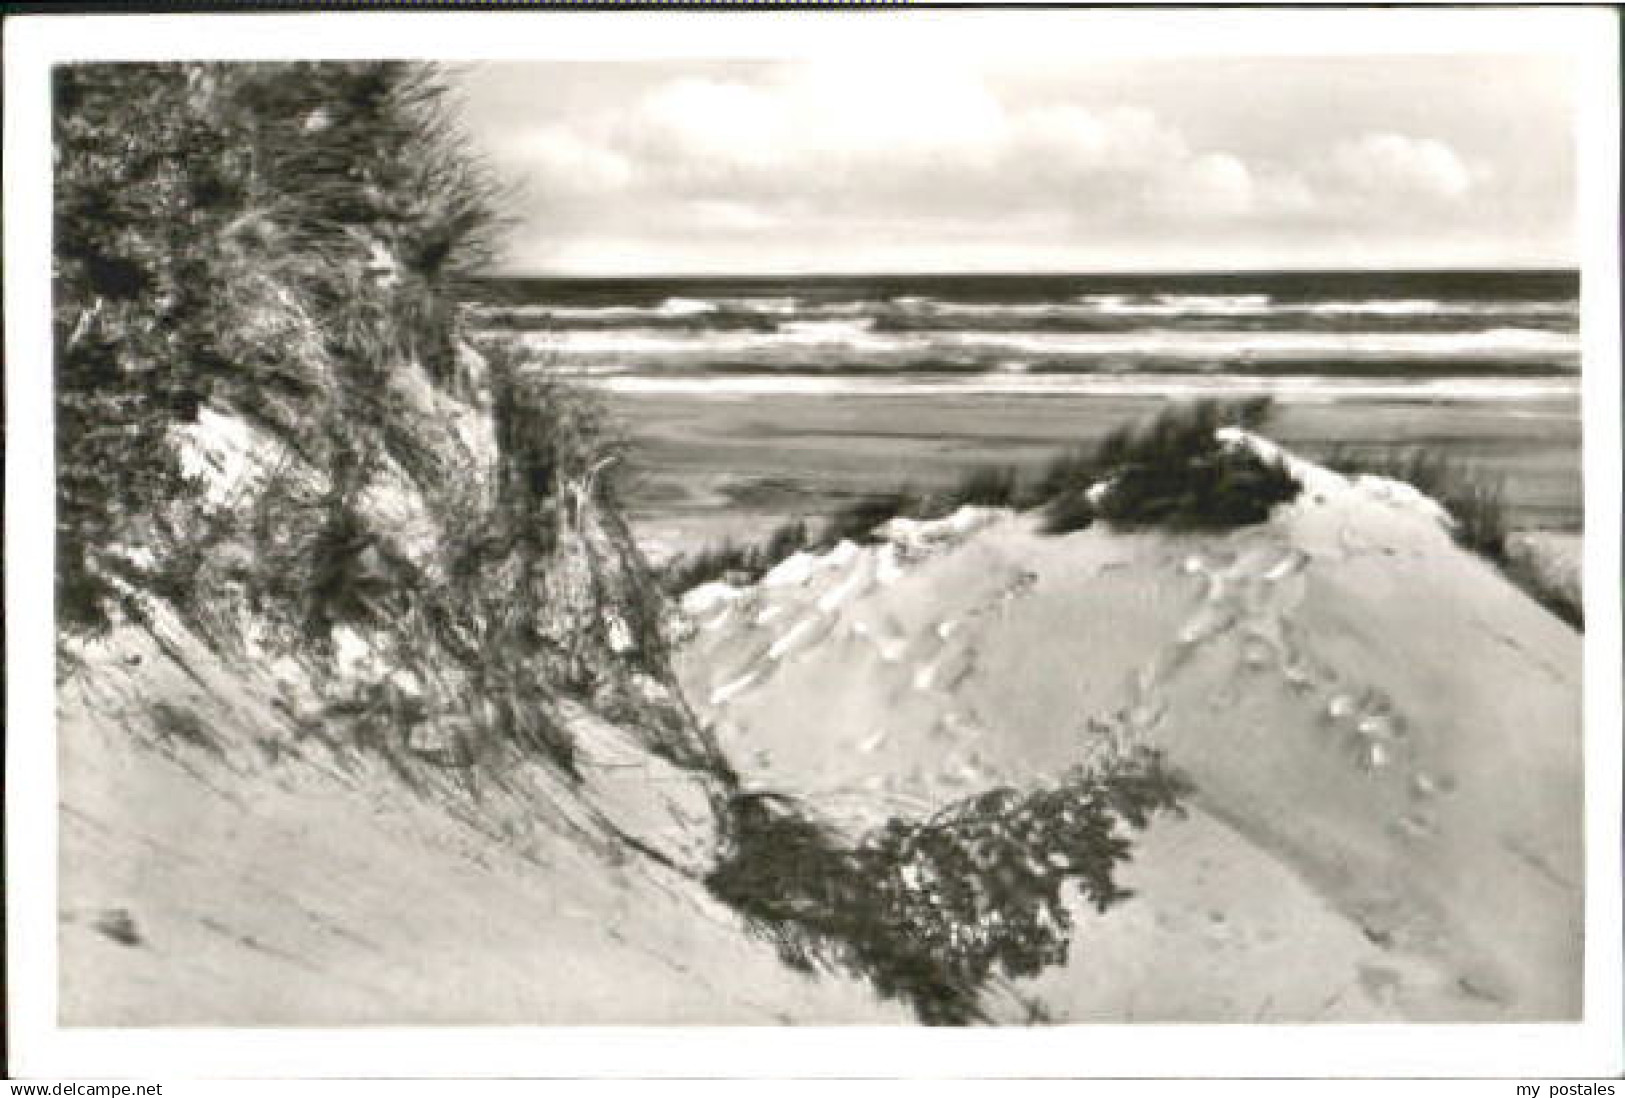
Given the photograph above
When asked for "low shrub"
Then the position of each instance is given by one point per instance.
(1070, 471)
(1171, 473)
(785, 541)
(725, 561)
(858, 519)
(733, 561)
(928, 911)
(982, 486)
(1218, 490)
(1071, 510)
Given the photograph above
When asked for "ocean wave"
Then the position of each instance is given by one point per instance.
(1434, 307)
(1303, 388)
(769, 306)
(1254, 344)
(1092, 312)
(1171, 306)
(826, 331)
(684, 306)
(858, 337)
(1178, 304)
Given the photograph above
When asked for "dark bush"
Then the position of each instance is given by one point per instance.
(1067, 473)
(786, 540)
(983, 486)
(1170, 474)
(725, 561)
(928, 911)
(1219, 490)
(1071, 510)
(857, 520)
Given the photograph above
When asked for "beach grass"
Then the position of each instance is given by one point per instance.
(1170, 472)
(1476, 502)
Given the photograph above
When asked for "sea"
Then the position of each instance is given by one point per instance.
(820, 386)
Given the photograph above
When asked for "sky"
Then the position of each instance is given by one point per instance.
(1036, 163)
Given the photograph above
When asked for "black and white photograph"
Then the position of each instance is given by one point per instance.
(842, 523)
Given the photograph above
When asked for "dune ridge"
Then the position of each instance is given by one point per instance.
(1383, 734)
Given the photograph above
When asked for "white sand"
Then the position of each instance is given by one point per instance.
(234, 873)
(1384, 735)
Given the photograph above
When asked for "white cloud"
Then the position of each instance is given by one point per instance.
(1120, 139)
(706, 120)
(1217, 184)
(556, 159)
(870, 140)
(830, 159)
(873, 105)
(1395, 165)
(727, 216)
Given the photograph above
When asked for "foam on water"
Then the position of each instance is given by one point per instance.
(845, 340)
(1300, 388)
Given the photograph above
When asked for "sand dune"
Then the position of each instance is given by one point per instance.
(222, 864)
(1384, 735)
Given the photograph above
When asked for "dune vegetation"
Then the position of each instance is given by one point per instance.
(930, 911)
(268, 239)
(1170, 473)
(259, 269)
(1476, 503)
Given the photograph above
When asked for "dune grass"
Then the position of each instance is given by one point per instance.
(856, 521)
(1475, 500)
(285, 246)
(1167, 473)
(273, 240)
(736, 562)
(747, 562)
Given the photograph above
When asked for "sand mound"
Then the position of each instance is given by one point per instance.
(1383, 732)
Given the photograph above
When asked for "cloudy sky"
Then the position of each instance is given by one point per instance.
(1034, 163)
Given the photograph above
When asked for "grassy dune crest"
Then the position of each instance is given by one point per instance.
(1170, 473)
(1476, 503)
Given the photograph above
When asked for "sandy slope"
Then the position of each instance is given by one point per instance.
(1384, 734)
(221, 865)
